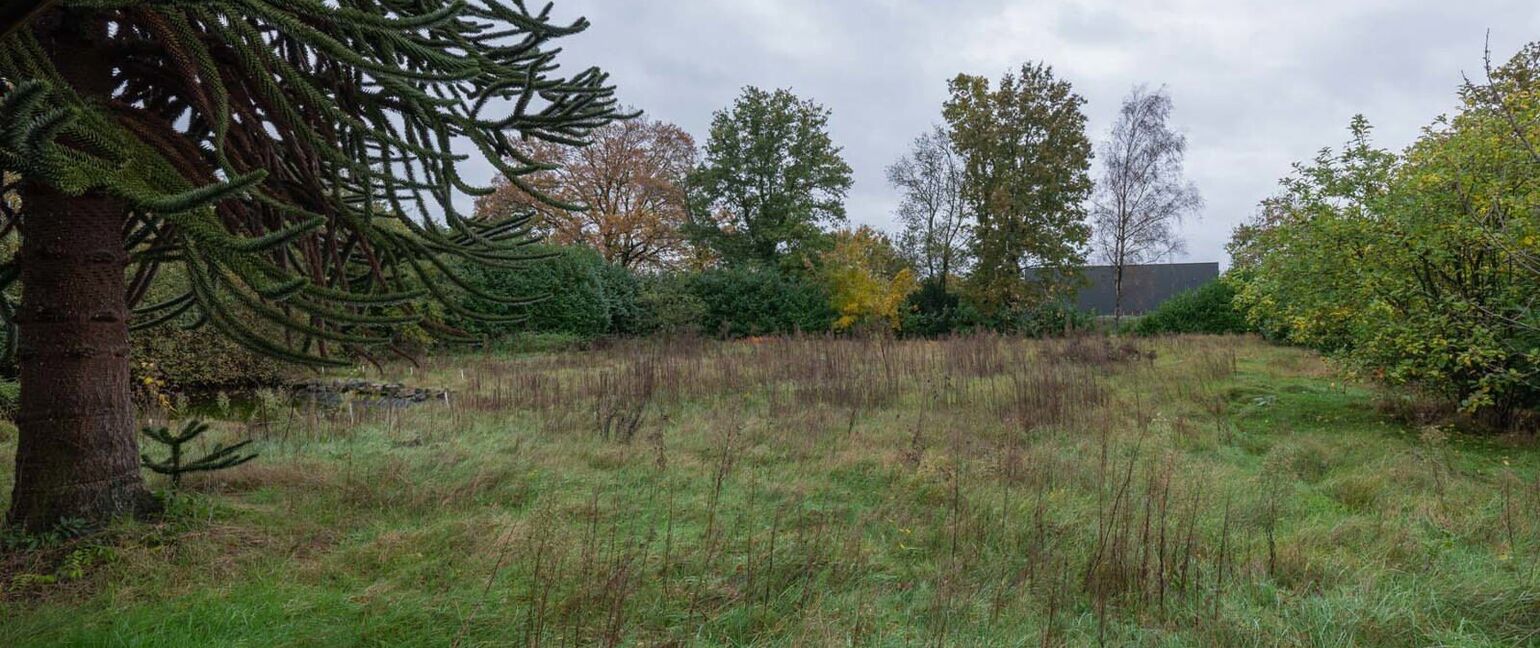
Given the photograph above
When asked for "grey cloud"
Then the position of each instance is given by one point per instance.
(1257, 85)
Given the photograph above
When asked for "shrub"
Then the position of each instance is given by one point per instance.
(574, 283)
(10, 398)
(1206, 309)
(751, 301)
(934, 311)
(667, 304)
(542, 343)
(1048, 320)
(622, 295)
(867, 280)
(1416, 269)
(199, 359)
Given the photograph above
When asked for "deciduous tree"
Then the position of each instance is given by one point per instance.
(1026, 164)
(628, 184)
(938, 226)
(1142, 197)
(868, 280)
(771, 181)
(1416, 268)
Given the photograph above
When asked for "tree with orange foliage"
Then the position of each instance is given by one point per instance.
(623, 194)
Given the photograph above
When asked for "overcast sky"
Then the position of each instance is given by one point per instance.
(1257, 84)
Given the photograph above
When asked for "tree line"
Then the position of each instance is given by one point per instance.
(288, 174)
(998, 207)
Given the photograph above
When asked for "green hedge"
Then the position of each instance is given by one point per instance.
(667, 304)
(933, 311)
(10, 399)
(582, 295)
(1208, 309)
(622, 295)
(1049, 320)
(740, 302)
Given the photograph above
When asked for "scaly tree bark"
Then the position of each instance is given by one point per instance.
(298, 160)
(78, 457)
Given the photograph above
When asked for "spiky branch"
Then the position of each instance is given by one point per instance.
(174, 466)
(300, 159)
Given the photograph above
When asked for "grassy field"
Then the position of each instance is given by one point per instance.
(971, 492)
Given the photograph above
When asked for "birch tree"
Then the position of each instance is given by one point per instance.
(1143, 197)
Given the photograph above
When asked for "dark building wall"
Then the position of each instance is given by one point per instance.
(1144, 286)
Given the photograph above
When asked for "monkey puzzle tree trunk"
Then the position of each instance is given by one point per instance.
(78, 457)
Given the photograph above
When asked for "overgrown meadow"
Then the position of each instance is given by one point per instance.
(973, 491)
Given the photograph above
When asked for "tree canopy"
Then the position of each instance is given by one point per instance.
(1416, 268)
(629, 183)
(1026, 171)
(771, 181)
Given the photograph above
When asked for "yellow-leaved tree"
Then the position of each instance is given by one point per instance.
(868, 280)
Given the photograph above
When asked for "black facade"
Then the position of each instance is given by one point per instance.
(1144, 286)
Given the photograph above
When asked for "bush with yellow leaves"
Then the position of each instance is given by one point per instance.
(867, 279)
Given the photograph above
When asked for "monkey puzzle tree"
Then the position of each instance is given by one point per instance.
(300, 162)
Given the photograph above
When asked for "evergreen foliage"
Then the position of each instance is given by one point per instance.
(667, 304)
(1048, 319)
(750, 301)
(1207, 309)
(583, 295)
(623, 299)
(200, 359)
(10, 397)
(176, 465)
(300, 159)
(932, 310)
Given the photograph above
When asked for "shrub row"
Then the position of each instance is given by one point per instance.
(585, 298)
(199, 359)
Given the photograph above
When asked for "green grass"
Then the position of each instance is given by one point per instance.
(979, 492)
